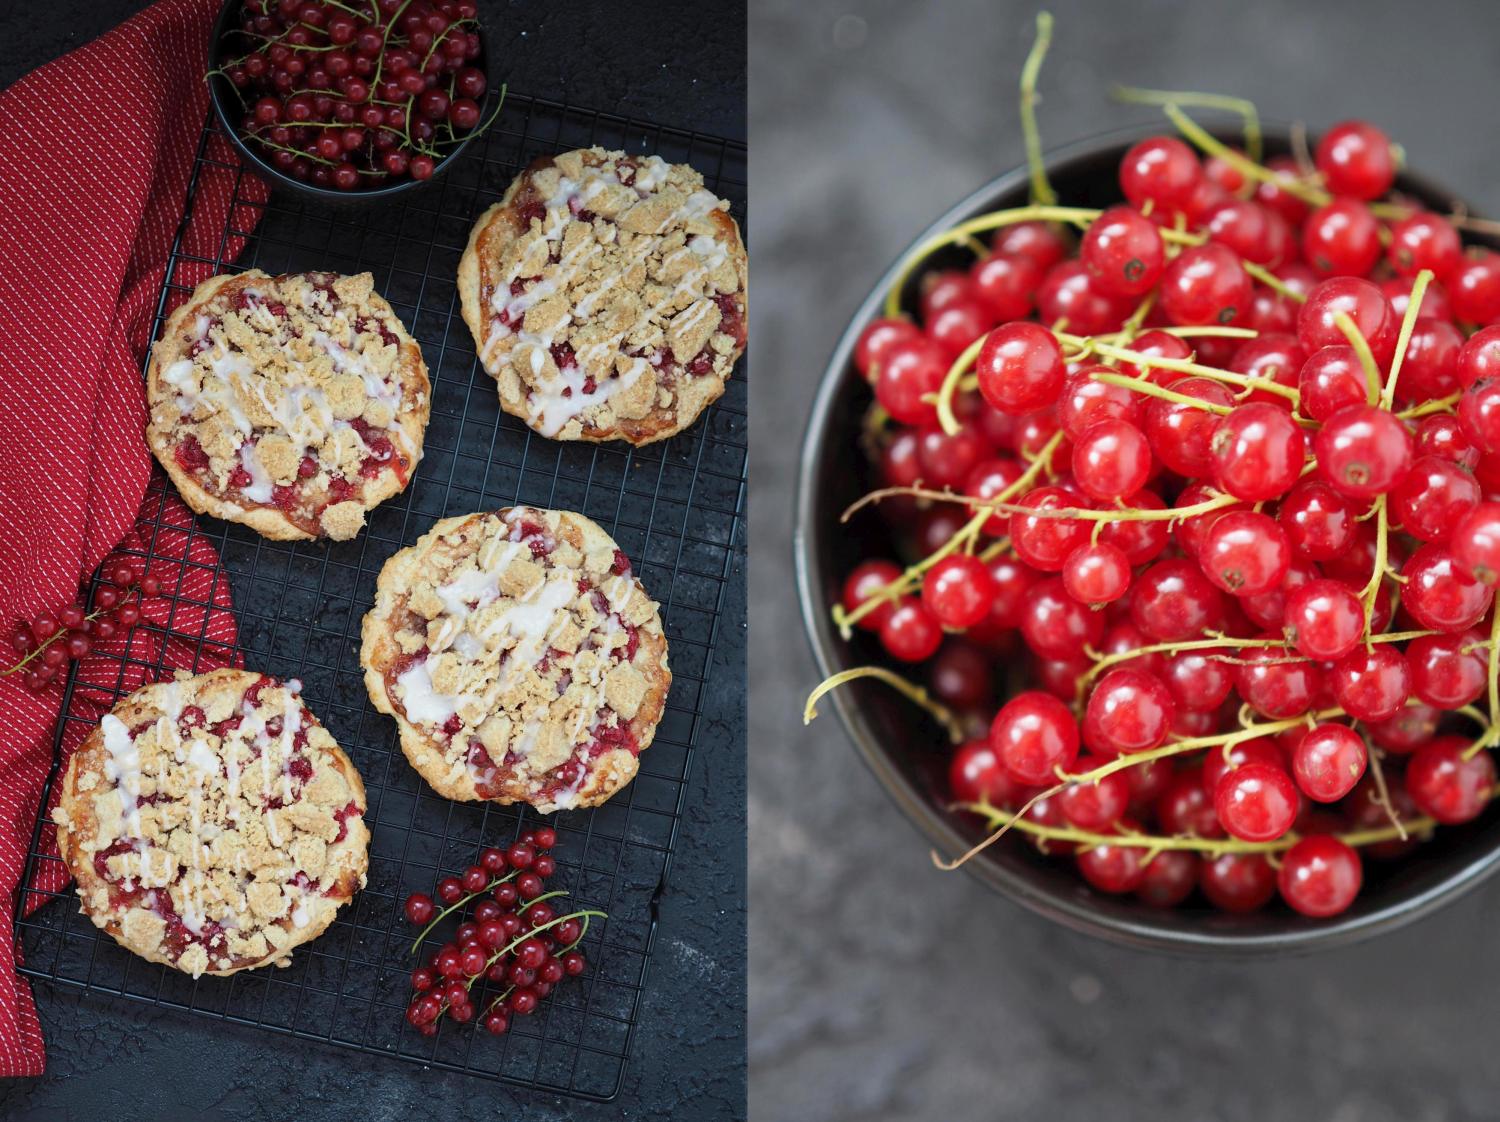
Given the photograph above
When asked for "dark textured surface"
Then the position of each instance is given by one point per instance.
(884, 990)
(120, 1060)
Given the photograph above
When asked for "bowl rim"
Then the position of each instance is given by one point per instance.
(219, 93)
(939, 828)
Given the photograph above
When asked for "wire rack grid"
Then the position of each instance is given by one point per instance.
(676, 509)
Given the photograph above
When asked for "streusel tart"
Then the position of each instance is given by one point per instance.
(606, 294)
(522, 660)
(212, 824)
(293, 404)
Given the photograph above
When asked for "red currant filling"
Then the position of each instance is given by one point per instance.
(190, 455)
(366, 324)
(731, 317)
(484, 770)
(621, 565)
(342, 816)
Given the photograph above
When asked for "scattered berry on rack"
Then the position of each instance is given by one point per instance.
(357, 96)
(45, 644)
(1224, 459)
(509, 952)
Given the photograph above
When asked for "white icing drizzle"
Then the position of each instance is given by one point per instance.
(476, 585)
(424, 704)
(122, 767)
(260, 488)
(551, 408)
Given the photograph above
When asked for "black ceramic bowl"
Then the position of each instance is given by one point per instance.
(229, 110)
(909, 755)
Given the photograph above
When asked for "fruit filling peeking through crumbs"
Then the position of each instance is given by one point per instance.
(526, 660)
(212, 823)
(289, 393)
(621, 296)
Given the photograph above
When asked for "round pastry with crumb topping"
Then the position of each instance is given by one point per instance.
(212, 824)
(606, 294)
(522, 660)
(293, 404)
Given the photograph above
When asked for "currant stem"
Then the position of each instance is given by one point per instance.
(456, 905)
(917, 694)
(1203, 140)
(1186, 366)
(1273, 282)
(1041, 188)
(1214, 847)
(908, 579)
(1361, 347)
(1403, 340)
(1135, 95)
(961, 366)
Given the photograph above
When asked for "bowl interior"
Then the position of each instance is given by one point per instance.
(909, 754)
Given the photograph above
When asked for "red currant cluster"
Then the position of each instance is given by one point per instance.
(46, 643)
(515, 940)
(1225, 464)
(356, 95)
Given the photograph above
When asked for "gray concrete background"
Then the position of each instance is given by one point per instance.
(882, 989)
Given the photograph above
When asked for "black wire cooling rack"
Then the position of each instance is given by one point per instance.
(676, 509)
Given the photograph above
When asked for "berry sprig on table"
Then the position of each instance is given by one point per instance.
(515, 940)
(46, 643)
(1249, 444)
(356, 94)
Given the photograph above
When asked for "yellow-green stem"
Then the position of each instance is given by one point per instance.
(917, 694)
(1041, 189)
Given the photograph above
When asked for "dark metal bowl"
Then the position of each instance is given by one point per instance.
(909, 755)
(228, 109)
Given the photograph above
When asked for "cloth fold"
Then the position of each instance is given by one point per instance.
(96, 152)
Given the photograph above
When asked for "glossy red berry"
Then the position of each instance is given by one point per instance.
(1328, 761)
(1448, 671)
(911, 633)
(1256, 802)
(1173, 601)
(1479, 414)
(1111, 459)
(1237, 882)
(1098, 573)
(1448, 783)
(1245, 553)
(1055, 625)
(1356, 159)
(876, 340)
(976, 774)
(1112, 868)
(1324, 619)
(1479, 357)
(1342, 238)
(1273, 685)
(912, 370)
(866, 579)
(1006, 284)
(1320, 876)
(1258, 452)
(1045, 542)
(1363, 451)
(1128, 711)
(1431, 502)
(1162, 171)
(1205, 284)
(958, 590)
(1371, 684)
(419, 907)
(1020, 368)
(1424, 241)
(1475, 541)
(1332, 378)
(1181, 434)
(1124, 251)
(1035, 736)
(1361, 301)
(1095, 806)
(1474, 288)
(1440, 593)
(1319, 523)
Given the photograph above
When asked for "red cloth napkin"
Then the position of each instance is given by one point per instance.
(96, 150)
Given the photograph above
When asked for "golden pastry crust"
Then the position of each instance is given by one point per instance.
(521, 659)
(292, 404)
(606, 294)
(212, 824)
